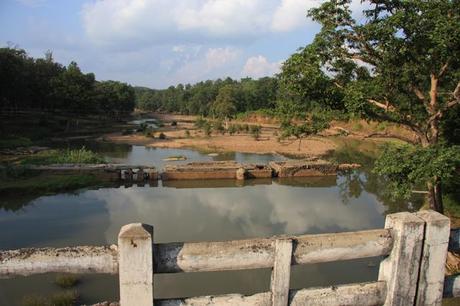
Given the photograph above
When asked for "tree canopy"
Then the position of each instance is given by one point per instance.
(399, 63)
(42, 84)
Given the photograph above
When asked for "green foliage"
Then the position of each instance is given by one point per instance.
(65, 298)
(408, 167)
(42, 84)
(232, 129)
(29, 184)
(225, 104)
(219, 126)
(207, 128)
(66, 281)
(255, 131)
(162, 136)
(219, 98)
(187, 133)
(174, 123)
(200, 122)
(78, 156)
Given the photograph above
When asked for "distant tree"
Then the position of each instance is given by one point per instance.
(225, 105)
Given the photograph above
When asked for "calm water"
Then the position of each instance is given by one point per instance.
(198, 211)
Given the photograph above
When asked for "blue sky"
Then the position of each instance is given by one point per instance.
(157, 43)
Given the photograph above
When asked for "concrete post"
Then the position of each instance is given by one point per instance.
(400, 269)
(434, 254)
(135, 247)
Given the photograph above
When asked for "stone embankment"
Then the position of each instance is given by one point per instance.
(203, 170)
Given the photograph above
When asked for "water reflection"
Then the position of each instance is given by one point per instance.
(198, 211)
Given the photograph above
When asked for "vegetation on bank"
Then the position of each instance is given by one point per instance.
(43, 183)
(67, 156)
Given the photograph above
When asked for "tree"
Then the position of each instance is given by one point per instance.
(410, 49)
(294, 121)
(224, 106)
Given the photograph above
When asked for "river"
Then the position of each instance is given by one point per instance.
(199, 211)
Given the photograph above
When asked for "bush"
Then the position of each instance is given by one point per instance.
(255, 131)
(162, 136)
(232, 129)
(187, 133)
(66, 281)
(219, 127)
(207, 129)
(245, 128)
(78, 156)
(200, 122)
(174, 123)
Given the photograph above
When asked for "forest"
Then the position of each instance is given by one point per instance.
(41, 84)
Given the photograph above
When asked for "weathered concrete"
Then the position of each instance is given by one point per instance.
(82, 259)
(300, 168)
(136, 264)
(365, 294)
(260, 253)
(215, 170)
(401, 269)
(434, 254)
(281, 273)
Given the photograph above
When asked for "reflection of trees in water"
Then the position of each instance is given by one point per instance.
(352, 183)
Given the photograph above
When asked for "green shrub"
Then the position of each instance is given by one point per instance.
(207, 129)
(245, 128)
(219, 127)
(187, 133)
(200, 122)
(66, 281)
(66, 298)
(174, 123)
(255, 131)
(77, 156)
(162, 136)
(232, 129)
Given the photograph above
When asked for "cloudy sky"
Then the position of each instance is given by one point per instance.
(157, 43)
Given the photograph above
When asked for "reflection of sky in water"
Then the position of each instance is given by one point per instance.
(194, 211)
(193, 214)
(95, 216)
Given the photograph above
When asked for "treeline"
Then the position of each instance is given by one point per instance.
(219, 98)
(41, 84)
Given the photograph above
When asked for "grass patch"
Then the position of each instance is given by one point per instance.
(66, 281)
(48, 183)
(66, 298)
(11, 142)
(79, 156)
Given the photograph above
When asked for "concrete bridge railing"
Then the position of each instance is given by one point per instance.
(414, 246)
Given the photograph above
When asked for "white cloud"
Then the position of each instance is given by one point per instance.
(259, 66)
(209, 64)
(157, 21)
(291, 14)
